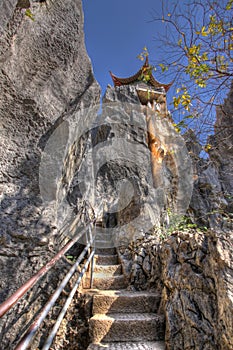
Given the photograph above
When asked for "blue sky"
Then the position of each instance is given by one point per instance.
(116, 32)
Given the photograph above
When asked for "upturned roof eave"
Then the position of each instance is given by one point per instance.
(117, 81)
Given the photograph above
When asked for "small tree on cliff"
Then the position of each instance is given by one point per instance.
(197, 51)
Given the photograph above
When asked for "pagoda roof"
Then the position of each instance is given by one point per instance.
(136, 77)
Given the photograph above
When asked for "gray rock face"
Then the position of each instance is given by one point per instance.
(154, 181)
(141, 262)
(196, 266)
(212, 201)
(121, 94)
(221, 151)
(193, 269)
(45, 77)
(198, 280)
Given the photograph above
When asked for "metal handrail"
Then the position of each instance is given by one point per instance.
(26, 340)
(66, 305)
(15, 297)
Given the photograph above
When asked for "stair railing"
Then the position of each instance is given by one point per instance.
(89, 250)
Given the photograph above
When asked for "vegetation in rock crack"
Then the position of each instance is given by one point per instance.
(25, 5)
(183, 223)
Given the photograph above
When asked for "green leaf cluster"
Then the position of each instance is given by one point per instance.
(25, 4)
(183, 98)
(29, 14)
(177, 224)
(143, 54)
(146, 72)
(163, 67)
(198, 47)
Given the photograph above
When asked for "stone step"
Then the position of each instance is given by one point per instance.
(155, 345)
(114, 301)
(108, 282)
(104, 244)
(104, 236)
(106, 259)
(114, 270)
(126, 327)
(105, 251)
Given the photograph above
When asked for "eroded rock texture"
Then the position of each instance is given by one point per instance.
(141, 262)
(212, 201)
(197, 267)
(151, 145)
(221, 151)
(194, 267)
(198, 293)
(45, 77)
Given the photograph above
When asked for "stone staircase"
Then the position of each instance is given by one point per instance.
(122, 319)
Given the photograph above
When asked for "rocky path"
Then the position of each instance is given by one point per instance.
(122, 319)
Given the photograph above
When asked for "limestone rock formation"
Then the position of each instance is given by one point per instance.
(212, 200)
(193, 272)
(45, 77)
(198, 279)
(221, 151)
(197, 266)
(193, 268)
(141, 263)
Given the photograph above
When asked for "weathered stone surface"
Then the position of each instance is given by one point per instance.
(45, 77)
(194, 269)
(122, 180)
(141, 263)
(212, 201)
(106, 259)
(125, 327)
(123, 94)
(221, 150)
(108, 269)
(128, 202)
(125, 302)
(105, 251)
(155, 345)
(193, 272)
(198, 293)
(103, 281)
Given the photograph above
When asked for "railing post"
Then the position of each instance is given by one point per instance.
(93, 257)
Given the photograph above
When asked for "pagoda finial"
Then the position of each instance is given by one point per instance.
(146, 64)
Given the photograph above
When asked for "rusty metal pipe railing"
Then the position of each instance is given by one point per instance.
(93, 261)
(12, 300)
(26, 340)
(66, 305)
(89, 250)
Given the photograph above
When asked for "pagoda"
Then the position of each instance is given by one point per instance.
(151, 92)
